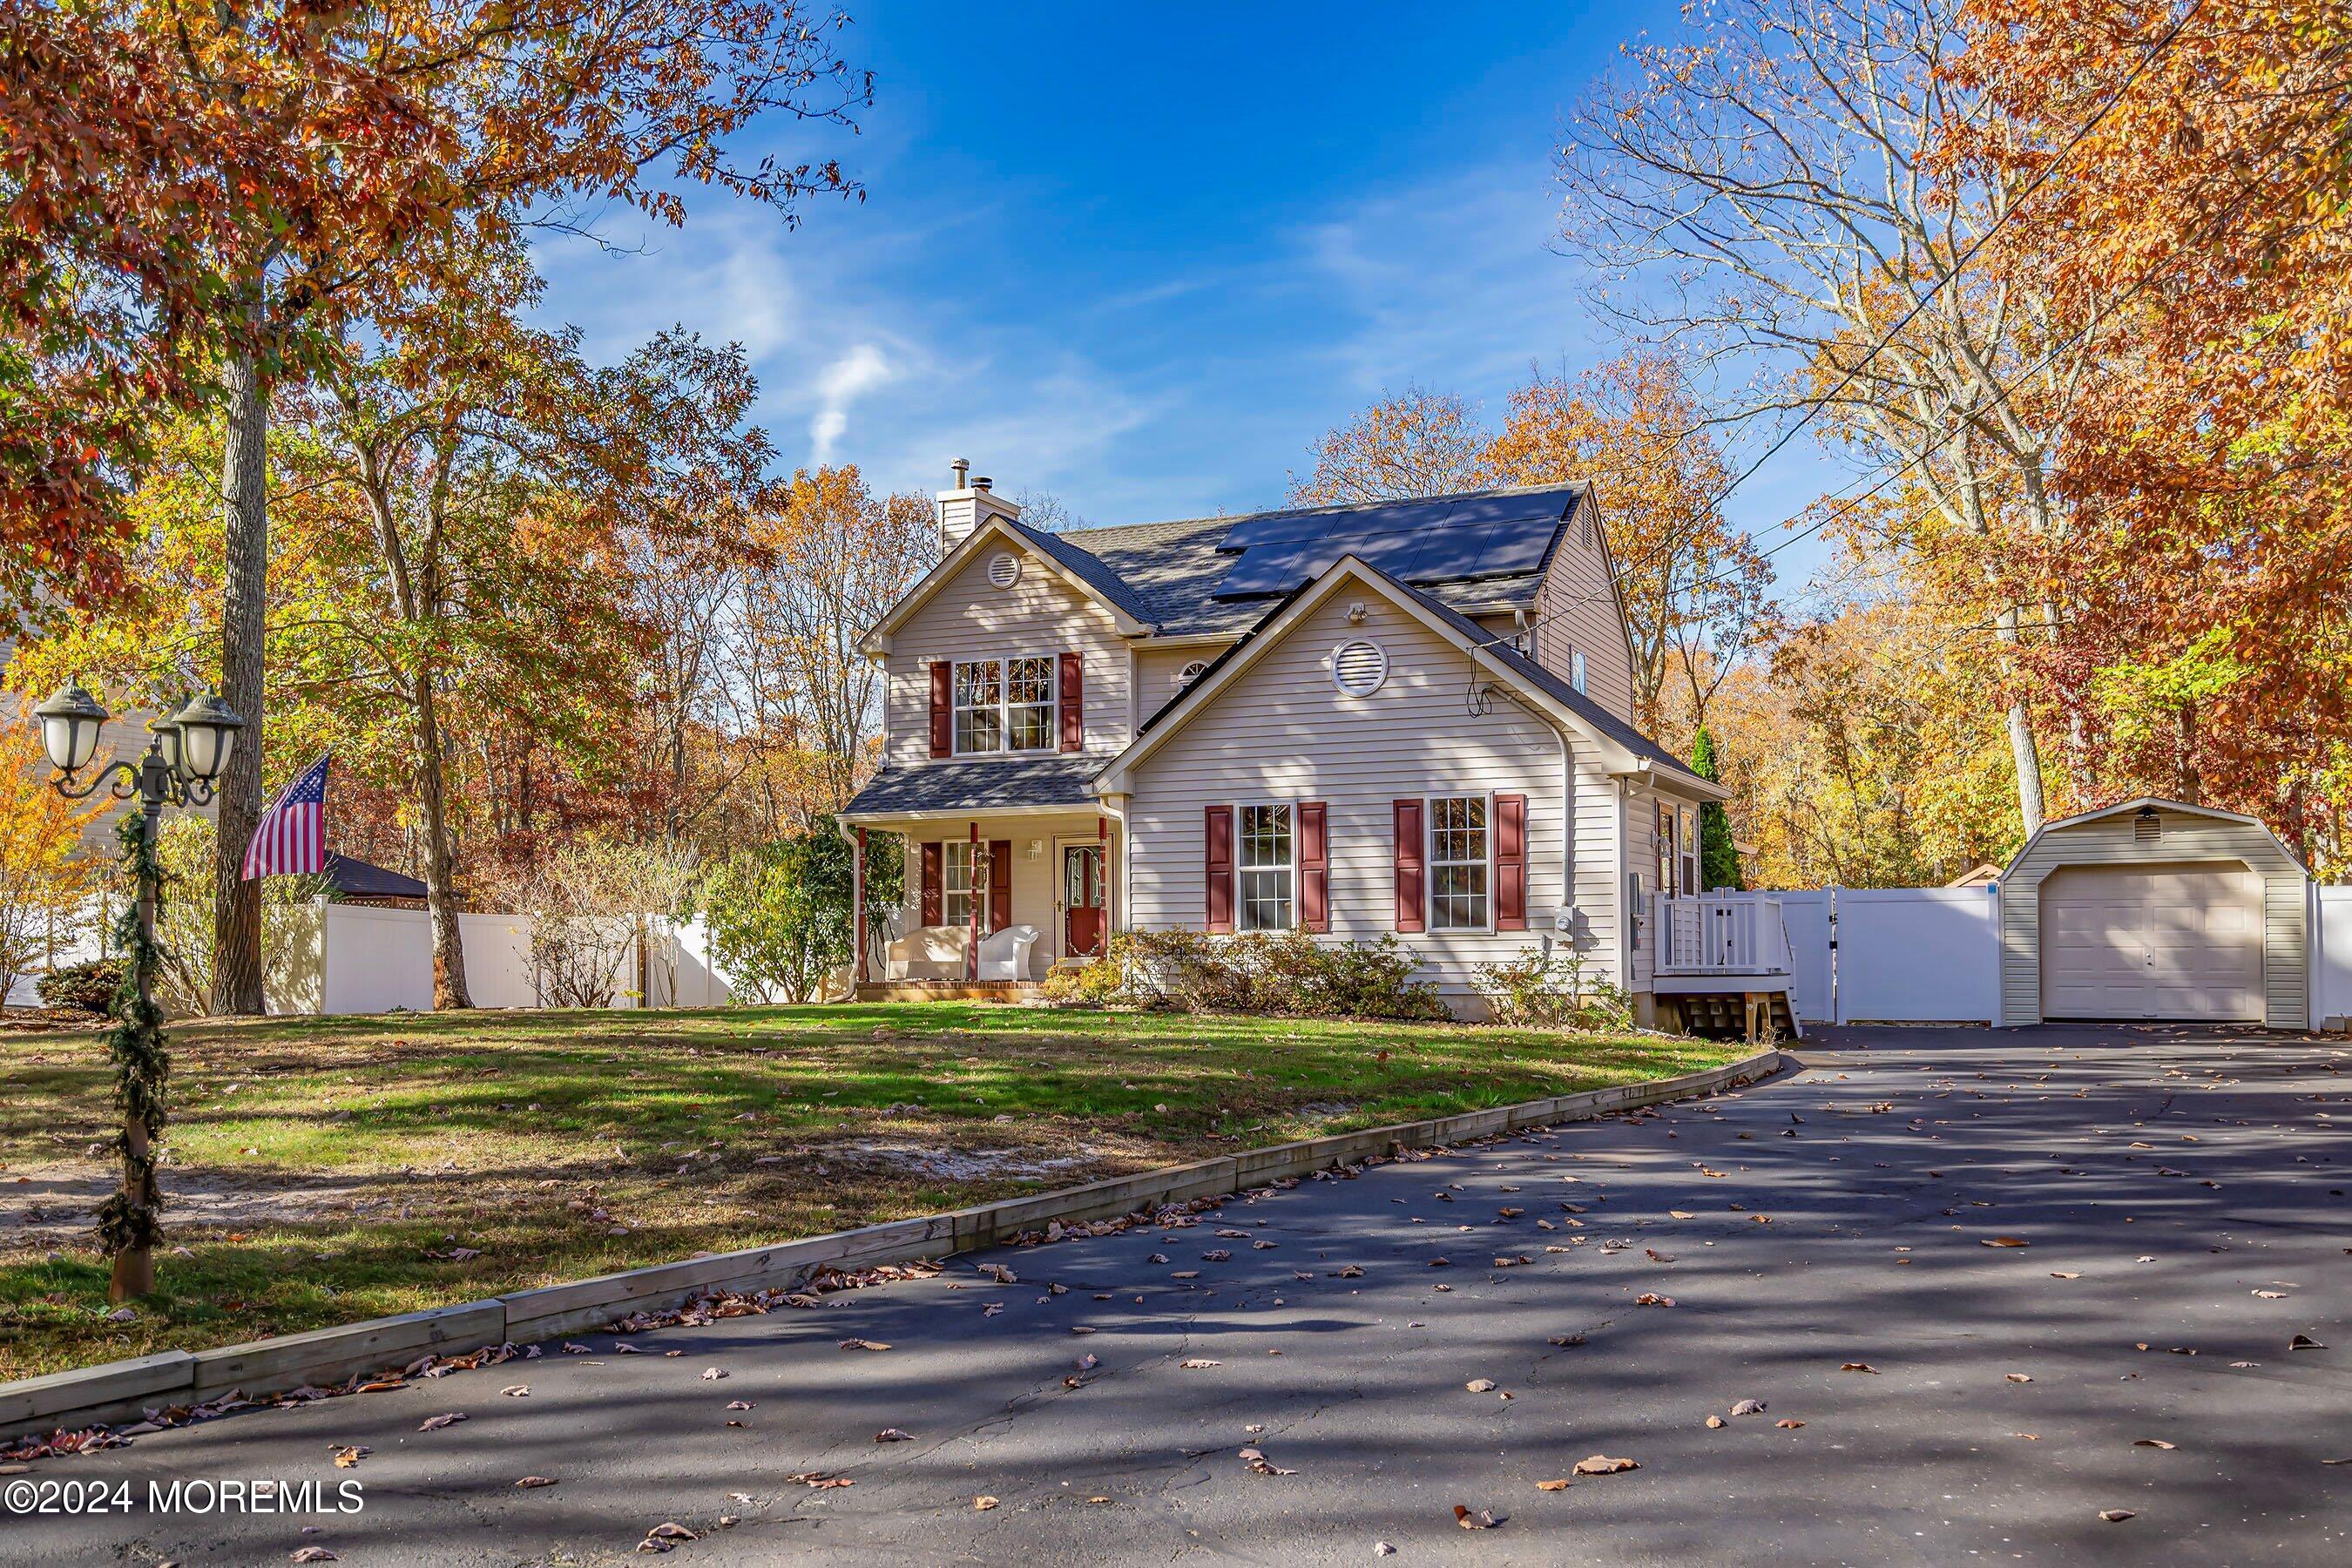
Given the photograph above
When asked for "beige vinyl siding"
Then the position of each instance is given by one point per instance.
(1155, 673)
(1641, 840)
(1577, 608)
(1283, 733)
(2187, 837)
(969, 618)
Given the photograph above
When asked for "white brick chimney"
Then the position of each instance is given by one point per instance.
(967, 505)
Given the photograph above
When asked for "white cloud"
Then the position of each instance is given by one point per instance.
(854, 374)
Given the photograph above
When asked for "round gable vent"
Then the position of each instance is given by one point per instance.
(1357, 667)
(1004, 569)
(1191, 673)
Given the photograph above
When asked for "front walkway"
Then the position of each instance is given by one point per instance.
(2178, 1191)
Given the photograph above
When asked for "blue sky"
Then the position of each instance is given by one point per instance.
(1139, 259)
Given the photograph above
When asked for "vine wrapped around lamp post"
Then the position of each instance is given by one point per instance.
(186, 753)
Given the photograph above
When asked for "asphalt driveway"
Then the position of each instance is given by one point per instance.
(1842, 1245)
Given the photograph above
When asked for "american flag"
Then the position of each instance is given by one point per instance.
(292, 837)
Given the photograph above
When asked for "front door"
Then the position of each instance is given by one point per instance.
(1082, 901)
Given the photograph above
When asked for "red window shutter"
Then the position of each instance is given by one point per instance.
(1000, 883)
(1510, 862)
(1314, 868)
(1410, 899)
(934, 884)
(1219, 824)
(1074, 706)
(943, 710)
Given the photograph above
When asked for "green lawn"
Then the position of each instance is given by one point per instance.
(322, 1171)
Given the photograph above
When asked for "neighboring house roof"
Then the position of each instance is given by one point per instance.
(1515, 667)
(354, 878)
(988, 784)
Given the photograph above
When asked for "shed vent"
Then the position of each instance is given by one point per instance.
(1358, 667)
(2147, 828)
(1004, 569)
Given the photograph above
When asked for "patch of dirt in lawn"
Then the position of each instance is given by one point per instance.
(962, 1164)
(43, 1206)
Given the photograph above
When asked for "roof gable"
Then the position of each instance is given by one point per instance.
(1567, 706)
(1081, 571)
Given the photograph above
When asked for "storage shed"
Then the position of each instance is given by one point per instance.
(2156, 909)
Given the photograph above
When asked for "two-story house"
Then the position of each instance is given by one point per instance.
(1412, 718)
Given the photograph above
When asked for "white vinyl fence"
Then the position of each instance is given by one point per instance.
(1932, 955)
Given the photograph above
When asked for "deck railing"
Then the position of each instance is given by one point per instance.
(1721, 933)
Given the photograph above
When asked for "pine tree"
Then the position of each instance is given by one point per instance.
(1718, 859)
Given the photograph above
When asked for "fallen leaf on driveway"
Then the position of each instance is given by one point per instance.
(1787, 1424)
(434, 1423)
(1749, 1407)
(820, 1481)
(1480, 1385)
(671, 1532)
(739, 1404)
(892, 1435)
(2001, 1241)
(2115, 1515)
(1197, 1363)
(1652, 1298)
(2272, 1295)
(983, 1503)
(1603, 1464)
(349, 1458)
(1483, 1519)
(1560, 1485)
(2018, 1377)
(1570, 1339)
(311, 1554)
(536, 1481)
(517, 1391)
(864, 1345)
(1681, 1213)
(2152, 1443)
(2305, 1342)
(2077, 1274)
(712, 1374)
(1859, 1366)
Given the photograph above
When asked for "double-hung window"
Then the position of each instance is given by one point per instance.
(1266, 868)
(955, 881)
(1461, 847)
(1004, 705)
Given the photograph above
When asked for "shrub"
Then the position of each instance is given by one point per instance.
(88, 987)
(1288, 974)
(1544, 986)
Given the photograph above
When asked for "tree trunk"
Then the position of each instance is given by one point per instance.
(440, 865)
(245, 490)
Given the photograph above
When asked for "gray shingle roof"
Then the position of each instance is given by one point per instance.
(981, 784)
(1173, 570)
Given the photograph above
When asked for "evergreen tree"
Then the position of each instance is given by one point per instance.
(1719, 860)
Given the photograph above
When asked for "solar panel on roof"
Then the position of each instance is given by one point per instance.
(1553, 504)
(1278, 529)
(1448, 552)
(1514, 547)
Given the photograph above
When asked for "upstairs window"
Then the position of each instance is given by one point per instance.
(1459, 848)
(1004, 705)
(1576, 669)
(1264, 860)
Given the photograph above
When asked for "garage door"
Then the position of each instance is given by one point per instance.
(2152, 942)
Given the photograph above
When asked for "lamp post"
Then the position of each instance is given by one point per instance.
(186, 753)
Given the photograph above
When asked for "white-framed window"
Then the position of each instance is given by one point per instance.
(1690, 883)
(1461, 862)
(1669, 852)
(955, 881)
(1265, 868)
(1576, 668)
(1004, 705)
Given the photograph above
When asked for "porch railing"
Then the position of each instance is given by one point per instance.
(1720, 933)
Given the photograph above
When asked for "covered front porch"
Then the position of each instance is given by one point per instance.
(994, 901)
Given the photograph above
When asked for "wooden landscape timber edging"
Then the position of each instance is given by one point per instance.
(124, 1390)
